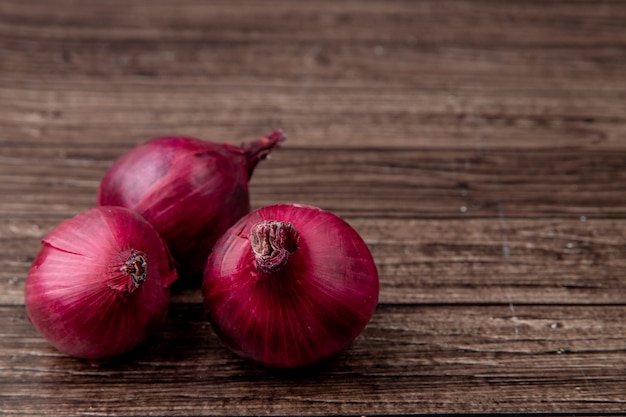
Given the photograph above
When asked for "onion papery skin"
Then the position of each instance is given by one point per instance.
(295, 312)
(190, 190)
(99, 286)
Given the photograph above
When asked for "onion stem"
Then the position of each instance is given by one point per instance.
(272, 243)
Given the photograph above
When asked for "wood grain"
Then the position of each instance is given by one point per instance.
(368, 182)
(130, 110)
(452, 73)
(477, 146)
(454, 44)
(440, 261)
(435, 358)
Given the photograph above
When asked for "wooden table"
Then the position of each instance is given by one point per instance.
(479, 147)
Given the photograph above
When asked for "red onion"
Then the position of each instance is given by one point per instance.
(288, 286)
(100, 284)
(190, 190)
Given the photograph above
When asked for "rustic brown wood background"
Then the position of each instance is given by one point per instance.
(479, 147)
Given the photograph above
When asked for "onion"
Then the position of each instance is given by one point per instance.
(99, 286)
(190, 190)
(288, 286)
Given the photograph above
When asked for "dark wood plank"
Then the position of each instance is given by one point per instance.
(364, 183)
(409, 360)
(439, 261)
(567, 47)
(348, 73)
(126, 112)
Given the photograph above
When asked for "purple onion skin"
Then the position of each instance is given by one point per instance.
(305, 300)
(99, 286)
(189, 189)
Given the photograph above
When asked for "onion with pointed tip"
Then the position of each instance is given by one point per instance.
(189, 189)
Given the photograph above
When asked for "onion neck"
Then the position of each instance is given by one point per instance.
(273, 242)
(129, 276)
(260, 149)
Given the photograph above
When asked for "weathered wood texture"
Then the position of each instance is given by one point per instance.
(426, 358)
(479, 147)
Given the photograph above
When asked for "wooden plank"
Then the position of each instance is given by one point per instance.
(437, 261)
(554, 78)
(413, 359)
(124, 112)
(61, 180)
(306, 64)
(573, 23)
(571, 47)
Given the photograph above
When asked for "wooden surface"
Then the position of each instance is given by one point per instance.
(479, 147)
